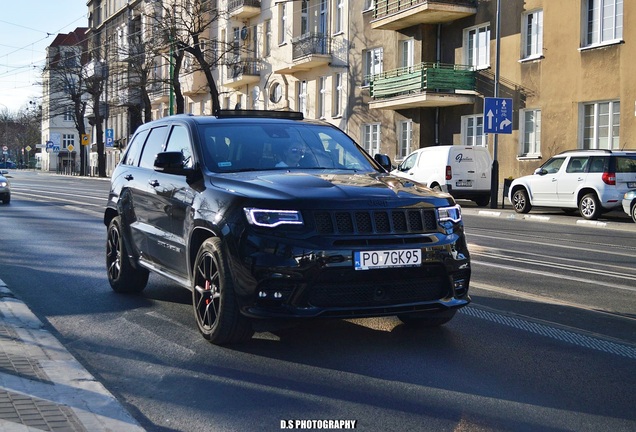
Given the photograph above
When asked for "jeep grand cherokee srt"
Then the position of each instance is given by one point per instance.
(205, 202)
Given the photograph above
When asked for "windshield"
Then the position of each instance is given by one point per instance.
(232, 147)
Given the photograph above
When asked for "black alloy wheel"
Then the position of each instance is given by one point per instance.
(122, 276)
(213, 299)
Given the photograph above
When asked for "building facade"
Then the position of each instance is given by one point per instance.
(62, 144)
(400, 75)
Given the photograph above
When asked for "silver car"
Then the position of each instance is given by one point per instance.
(5, 188)
(629, 203)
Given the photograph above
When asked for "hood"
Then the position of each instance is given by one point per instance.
(327, 185)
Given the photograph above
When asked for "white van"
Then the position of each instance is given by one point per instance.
(462, 171)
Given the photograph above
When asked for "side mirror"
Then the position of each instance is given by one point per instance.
(170, 163)
(540, 171)
(384, 161)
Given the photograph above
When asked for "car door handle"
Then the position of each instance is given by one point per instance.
(554, 179)
(129, 177)
(153, 183)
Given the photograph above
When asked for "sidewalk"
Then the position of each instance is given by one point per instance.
(42, 387)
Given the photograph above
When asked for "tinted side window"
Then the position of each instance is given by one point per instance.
(154, 145)
(180, 141)
(577, 164)
(626, 164)
(134, 149)
(598, 164)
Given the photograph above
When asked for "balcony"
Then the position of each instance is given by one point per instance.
(242, 72)
(128, 96)
(400, 14)
(159, 92)
(421, 86)
(243, 9)
(309, 51)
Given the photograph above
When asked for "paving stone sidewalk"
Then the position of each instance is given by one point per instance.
(42, 386)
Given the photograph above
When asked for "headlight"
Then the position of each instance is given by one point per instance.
(630, 195)
(3, 184)
(453, 214)
(273, 218)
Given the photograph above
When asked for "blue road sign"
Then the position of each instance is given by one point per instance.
(110, 135)
(498, 115)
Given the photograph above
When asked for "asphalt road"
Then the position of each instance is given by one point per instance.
(549, 342)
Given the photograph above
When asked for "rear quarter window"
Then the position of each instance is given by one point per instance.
(626, 164)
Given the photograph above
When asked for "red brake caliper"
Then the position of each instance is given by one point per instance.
(207, 288)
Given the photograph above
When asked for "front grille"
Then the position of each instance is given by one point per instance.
(412, 221)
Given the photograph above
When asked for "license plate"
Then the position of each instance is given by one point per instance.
(463, 183)
(631, 185)
(366, 260)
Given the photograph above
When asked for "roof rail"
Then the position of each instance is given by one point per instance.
(586, 150)
(290, 115)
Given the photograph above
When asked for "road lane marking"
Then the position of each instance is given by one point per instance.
(572, 337)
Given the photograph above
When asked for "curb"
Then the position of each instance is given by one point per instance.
(42, 386)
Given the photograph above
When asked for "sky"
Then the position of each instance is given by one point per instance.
(27, 27)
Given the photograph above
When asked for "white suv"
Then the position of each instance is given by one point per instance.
(592, 181)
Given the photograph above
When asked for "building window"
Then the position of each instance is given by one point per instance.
(601, 125)
(530, 133)
(282, 23)
(477, 46)
(322, 93)
(67, 140)
(407, 53)
(532, 32)
(304, 17)
(302, 97)
(68, 114)
(339, 24)
(275, 92)
(473, 130)
(405, 137)
(371, 138)
(367, 5)
(604, 21)
(267, 40)
(372, 65)
(337, 95)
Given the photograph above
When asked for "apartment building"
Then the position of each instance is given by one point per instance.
(64, 59)
(397, 75)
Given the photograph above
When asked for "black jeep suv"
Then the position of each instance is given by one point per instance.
(265, 215)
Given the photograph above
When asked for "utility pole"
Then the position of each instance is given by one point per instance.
(494, 181)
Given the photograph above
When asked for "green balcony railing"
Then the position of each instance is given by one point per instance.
(422, 77)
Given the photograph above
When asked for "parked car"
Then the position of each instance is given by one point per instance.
(462, 171)
(629, 203)
(5, 188)
(592, 181)
(7, 164)
(201, 201)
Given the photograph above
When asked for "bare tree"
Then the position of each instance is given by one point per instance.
(186, 27)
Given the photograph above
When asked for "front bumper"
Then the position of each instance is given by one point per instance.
(279, 278)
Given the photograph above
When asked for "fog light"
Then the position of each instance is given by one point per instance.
(278, 295)
(262, 294)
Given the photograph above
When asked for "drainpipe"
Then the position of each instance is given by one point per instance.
(438, 57)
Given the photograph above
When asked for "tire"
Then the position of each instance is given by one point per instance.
(589, 207)
(634, 212)
(520, 201)
(427, 320)
(122, 276)
(214, 301)
(482, 201)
